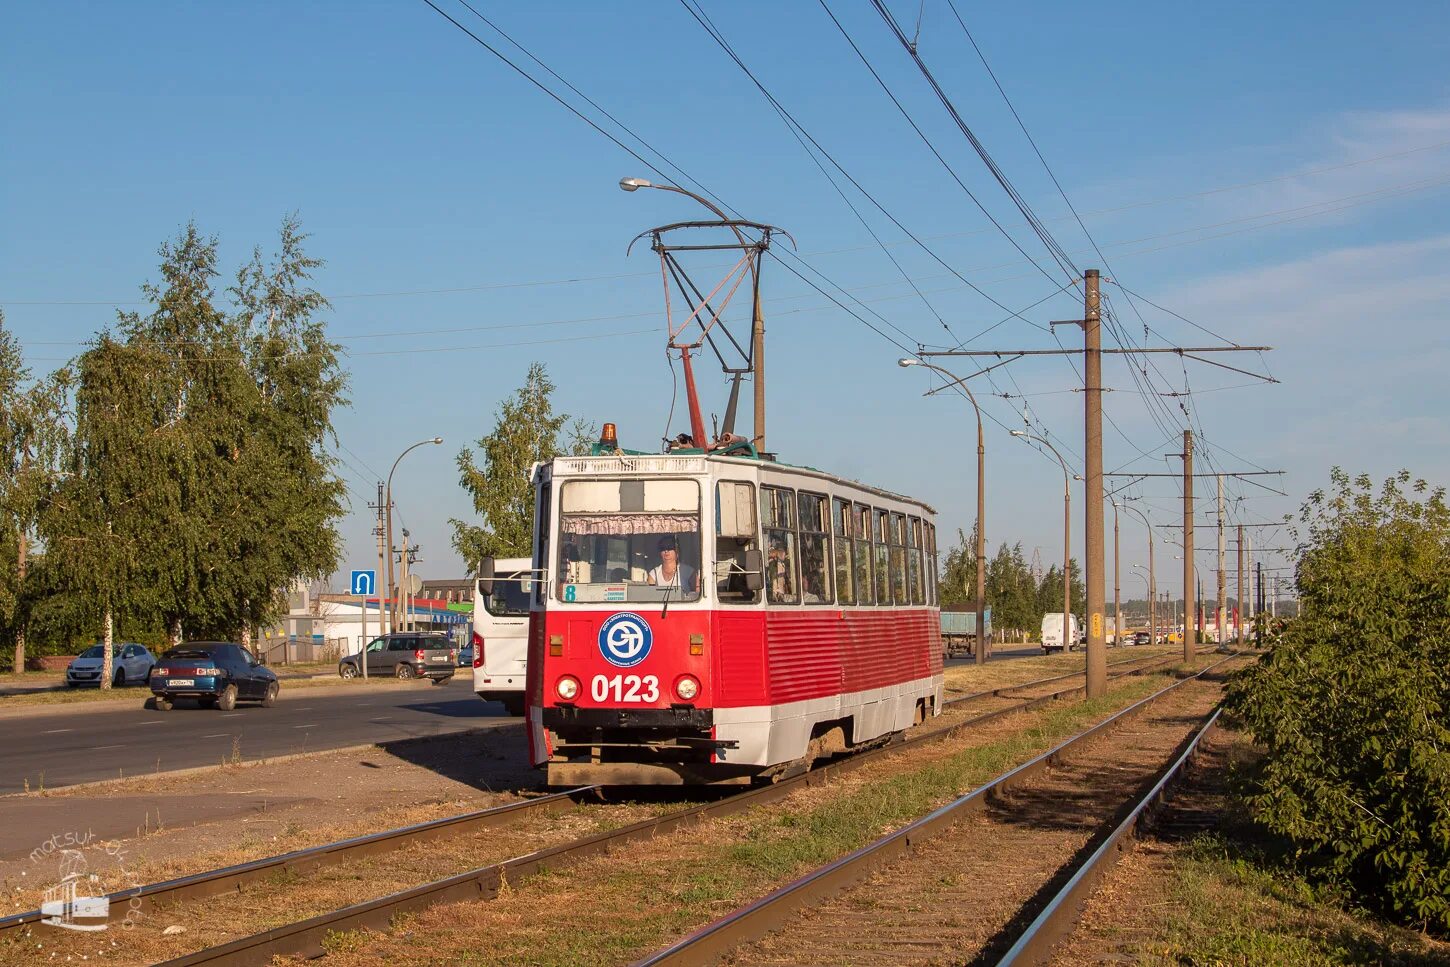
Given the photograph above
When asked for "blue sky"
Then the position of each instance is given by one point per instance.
(1276, 178)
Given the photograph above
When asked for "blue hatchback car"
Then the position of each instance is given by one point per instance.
(218, 674)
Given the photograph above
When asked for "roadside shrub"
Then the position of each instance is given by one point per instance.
(1352, 701)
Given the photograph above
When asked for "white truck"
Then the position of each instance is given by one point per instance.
(501, 633)
(1052, 632)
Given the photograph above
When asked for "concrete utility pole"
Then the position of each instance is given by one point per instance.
(1097, 656)
(757, 358)
(1243, 599)
(378, 532)
(1222, 590)
(1093, 471)
(1190, 603)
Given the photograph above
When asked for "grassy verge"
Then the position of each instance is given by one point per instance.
(1237, 898)
(964, 679)
(692, 877)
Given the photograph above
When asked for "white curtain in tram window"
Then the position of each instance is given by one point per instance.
(619, 525)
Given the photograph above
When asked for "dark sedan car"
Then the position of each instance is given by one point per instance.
(1142, 638)
(218, 674)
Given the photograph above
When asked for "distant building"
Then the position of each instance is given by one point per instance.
(323, 626)
(451, 590)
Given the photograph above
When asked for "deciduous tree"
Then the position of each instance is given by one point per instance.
(496, 475)
(1353, 703)
(33, 438)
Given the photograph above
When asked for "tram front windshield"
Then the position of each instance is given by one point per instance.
(629, 540)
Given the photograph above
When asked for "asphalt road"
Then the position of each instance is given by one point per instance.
(51, 747)
(104, 740)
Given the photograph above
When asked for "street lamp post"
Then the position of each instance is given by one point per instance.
(1147, 577)
(1147, 590)
(757, 320)
(388, 500)
(1066, 535)
(981, 549)
(1117, 590)
(1186, 616)
(1152, 576)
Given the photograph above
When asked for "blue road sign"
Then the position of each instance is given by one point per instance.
(364, 582)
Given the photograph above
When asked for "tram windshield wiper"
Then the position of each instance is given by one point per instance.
(666, 609)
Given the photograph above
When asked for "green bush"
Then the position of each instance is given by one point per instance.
(1351, 703)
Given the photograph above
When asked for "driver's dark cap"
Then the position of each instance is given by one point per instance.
(667, 543)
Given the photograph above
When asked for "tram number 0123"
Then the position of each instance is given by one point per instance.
(624, 688)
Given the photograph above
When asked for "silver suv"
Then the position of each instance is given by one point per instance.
(406, 654)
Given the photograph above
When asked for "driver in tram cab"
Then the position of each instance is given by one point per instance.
(670, 573)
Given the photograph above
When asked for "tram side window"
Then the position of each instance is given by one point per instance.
(913, 558)
(841, 526)
(897, 532)
(881, 541)
(735, 533)
(861, 538)
(541, 587)
(815, 544)
(777, 517)
(931, 588)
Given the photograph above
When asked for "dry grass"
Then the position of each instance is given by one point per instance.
(1229, 896)
(966, 679)
(288, 896)
(640, 898)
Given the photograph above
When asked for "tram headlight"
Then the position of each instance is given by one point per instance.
(687, 688)
(567, 688)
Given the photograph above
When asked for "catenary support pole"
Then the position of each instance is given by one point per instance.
(757, 365)
(1222, 618)
(1097, 658)
(984, 642)
(1243, 602)
(1190, 602)
(1153, 623)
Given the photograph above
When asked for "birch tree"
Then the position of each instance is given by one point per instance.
(33, 439)
(526, 431)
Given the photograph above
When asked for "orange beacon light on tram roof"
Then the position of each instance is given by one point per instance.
(607, 436)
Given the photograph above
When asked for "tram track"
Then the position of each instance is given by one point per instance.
(908, 879)
(304, 937)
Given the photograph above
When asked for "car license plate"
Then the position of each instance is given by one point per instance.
(437, 657)
(173, 682)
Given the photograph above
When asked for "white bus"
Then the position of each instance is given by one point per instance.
(501, 634)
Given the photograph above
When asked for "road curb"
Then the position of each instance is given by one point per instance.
(245, 763)
(142, 693)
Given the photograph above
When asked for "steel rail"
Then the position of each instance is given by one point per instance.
(305, 937)
(1153, 661)
(758, 918)
(1060, 916)
(233, 878)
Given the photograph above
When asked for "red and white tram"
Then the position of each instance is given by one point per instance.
(708, 618)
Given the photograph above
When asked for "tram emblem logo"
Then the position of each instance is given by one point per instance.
(625, 639)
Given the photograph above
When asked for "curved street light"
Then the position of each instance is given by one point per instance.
(1152, 573)
(981, 657)
(392, 588)
(1066, 533)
